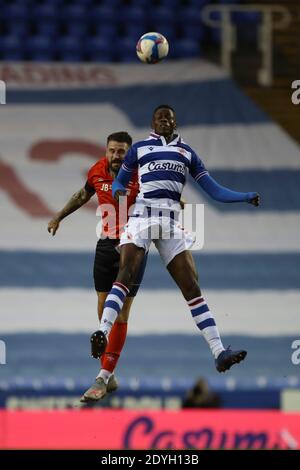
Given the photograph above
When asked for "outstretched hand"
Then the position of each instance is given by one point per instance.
(255, 200)
(53, 226)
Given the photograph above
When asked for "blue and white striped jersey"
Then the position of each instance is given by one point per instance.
(162, 169)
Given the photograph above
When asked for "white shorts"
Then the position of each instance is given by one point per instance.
(169, 237)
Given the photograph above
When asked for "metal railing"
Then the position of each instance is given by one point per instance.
(270, 22)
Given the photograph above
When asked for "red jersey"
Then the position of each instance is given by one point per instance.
(99, 180)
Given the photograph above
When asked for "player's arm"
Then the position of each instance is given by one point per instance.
(214, 189)
(222, 194)
(124, 175)
(78, 199)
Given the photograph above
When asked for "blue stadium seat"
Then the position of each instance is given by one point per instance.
(134, 30)
(185, 49)
(198, 3)
(54, 3)
(69, 49)
(84, 3)
(12, 48)
(74, 14)
(15, 12)
(170, 3)
(47, 28)
(102, 14)
(44, 12)
(126, 50)
(132, 14)
(77, 28)
(18, 28)
(106, 30)
(40, 48)
(246, 17)
(194, 32)
(227, 2)
(166, 30)
(189, 16)
(113, 3)
(98, 49)
(162, 15)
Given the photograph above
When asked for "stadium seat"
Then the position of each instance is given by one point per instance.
(77, 28)
(199, 3)
(185, 49)
(98, 49)
(170, 3)
(40, 48)
(84, 3)
(194, 32)
(69, 49)
(54, 3)
(44, 12)
(12, 48)
(106, 30)
(228, 2)
(189, 16)
(132, 15)
(113, 3)
(17, 28)
(47, 28)
(102, 14)
(162, 15)
(70, 13)
(134, 30)
(15, 12)
(246, 17)
(166, 30)
(126, 50)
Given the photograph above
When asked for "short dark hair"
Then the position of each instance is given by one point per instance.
(163, 106)
(120, 137)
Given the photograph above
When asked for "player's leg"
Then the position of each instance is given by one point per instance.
(183, 270)
(132, 258)
(105, 381)
(117, 339)
(106, 263)
(119, 330)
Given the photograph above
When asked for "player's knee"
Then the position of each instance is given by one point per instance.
(126, 275)
(191, 289)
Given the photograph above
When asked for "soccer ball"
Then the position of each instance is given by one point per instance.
(152, 48)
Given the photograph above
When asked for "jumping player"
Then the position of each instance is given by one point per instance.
(106, 263)
(163, 161)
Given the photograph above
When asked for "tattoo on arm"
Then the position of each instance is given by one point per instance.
(77, 200)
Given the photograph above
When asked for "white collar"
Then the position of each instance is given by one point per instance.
(177, 139)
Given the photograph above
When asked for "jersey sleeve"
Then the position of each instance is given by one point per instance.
(89, 189)
(130, 162)
(89, 185)
(197, 168)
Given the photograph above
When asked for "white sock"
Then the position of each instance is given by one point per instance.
(206, 324)
(105, 375)
(112, 306)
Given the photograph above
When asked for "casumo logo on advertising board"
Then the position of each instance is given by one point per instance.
(144, 429)
(153, 429)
